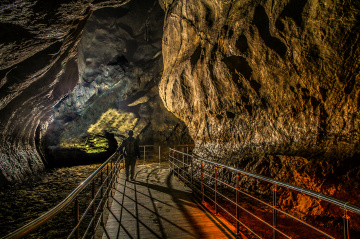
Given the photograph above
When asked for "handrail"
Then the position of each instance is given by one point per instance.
(184, 145)
(26, 229)
(321, 196)
(191, 171)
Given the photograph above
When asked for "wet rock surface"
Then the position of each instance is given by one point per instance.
(271, 87)
(264, 76)
(37, 68)
(116, 66)
(268, 86)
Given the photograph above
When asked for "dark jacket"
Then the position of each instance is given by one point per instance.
(130, 142)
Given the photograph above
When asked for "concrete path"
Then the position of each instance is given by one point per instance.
(156, 205)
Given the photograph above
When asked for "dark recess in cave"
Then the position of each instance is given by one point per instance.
(238, 64)
(261, 21)
(294, 10)
(242, 44)
(230, 115)
(195, 56)
(11, 32)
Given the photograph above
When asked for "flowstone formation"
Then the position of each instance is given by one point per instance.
(271, 87)
(120, 66)
(37, 68)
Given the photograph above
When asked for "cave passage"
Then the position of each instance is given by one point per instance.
(268, 87)
(120, 64)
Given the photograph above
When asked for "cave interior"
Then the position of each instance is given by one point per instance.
(271, 87)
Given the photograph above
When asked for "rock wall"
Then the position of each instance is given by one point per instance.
(37, 68)
(278, 77)
(270, 86)
(120, 65)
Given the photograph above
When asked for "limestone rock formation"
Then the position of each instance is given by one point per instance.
(120, 65)
(259, 81)
(278, 77)
(40, 67)
(37, 68)
(270, 86)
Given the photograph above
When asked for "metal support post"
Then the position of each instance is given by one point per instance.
(144, 155)
(101, 196)
(346, 225)
(237, 204)
(102, 186)
(170, 160)
(77, 217)
(202, 182)
(191, 170)
(93, 206)
(159, 154)
(183, 167)
(216, 181)
(178, 167)
(107, 185)
(274, 211)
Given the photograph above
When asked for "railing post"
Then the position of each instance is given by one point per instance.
(237, 203)
(202, 182)
(144, 154)
(346, 224)
(159, 154)
(173, 163)
(112, 172)
(93, 206)
(101, 196)
(183, 167)
(274, 211)
(191, 170)
(178, 168)
(216, 181)
(77, 217)
(107, 185)
(170, 160)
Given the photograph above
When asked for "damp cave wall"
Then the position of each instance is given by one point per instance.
(271, 87)
(50, 92)
(38, 67)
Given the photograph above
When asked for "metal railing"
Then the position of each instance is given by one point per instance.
(203, 177)
(152, 153)
(105, 176)
(186, 148)
(149, 152)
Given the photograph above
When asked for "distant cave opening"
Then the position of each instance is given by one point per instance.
(120, 65)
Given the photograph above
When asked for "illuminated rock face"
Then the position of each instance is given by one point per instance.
(271, 86)
(277, 77)
(120, 66)
(256, 80)
(37, 68)
(262, 77)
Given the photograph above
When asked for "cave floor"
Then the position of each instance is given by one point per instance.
(156, 205)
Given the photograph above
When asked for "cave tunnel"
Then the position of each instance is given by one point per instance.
(269, 87)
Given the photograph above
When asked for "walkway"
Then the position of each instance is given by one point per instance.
(156, 205)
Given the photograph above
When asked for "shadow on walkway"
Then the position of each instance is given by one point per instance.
(156, 205)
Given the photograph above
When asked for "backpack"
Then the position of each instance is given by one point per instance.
(130, 147)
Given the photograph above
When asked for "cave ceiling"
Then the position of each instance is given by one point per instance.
(249, 79)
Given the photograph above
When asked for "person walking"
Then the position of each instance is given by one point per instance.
(130, 149)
